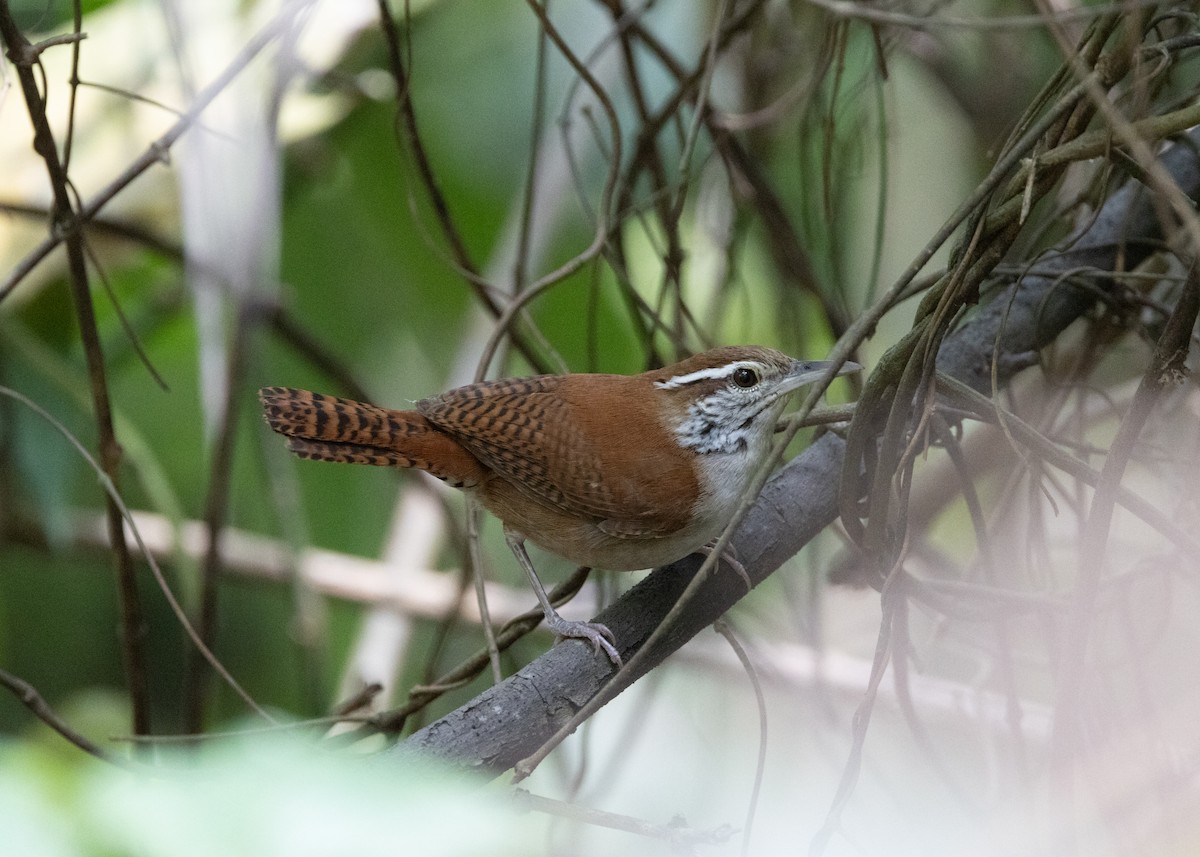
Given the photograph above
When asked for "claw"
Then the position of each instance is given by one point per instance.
(729, 556)
(598, 635)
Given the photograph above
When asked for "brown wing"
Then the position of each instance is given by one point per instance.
(584, 443)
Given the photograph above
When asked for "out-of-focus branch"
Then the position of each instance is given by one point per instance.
(35, 702)
(64, 218)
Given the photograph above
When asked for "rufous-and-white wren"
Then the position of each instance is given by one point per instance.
(617, 472)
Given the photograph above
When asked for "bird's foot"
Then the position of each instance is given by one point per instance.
(729, 556)
(595, 633)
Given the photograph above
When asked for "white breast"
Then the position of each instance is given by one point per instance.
(724, 478)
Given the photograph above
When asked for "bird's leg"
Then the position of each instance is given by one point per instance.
(729, 555)
(598, 635)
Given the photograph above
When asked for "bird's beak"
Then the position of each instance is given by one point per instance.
(806, 371)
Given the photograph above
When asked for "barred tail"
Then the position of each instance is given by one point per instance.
(313, 416)
(326, 428)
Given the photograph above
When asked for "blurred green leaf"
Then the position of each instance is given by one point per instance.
(257, 797)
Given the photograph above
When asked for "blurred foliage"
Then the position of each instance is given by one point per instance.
(48, 15)
(266, 796)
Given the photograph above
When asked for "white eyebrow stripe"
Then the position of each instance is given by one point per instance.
(711, 373)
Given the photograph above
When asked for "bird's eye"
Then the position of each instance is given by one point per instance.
(744, 377)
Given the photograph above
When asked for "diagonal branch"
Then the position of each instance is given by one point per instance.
(35, 702)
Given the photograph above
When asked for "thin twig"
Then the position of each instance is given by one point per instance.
(216, 507)
(31, 699)
(760, 700)
(678, 837)
(65, 218)
(407, 125)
